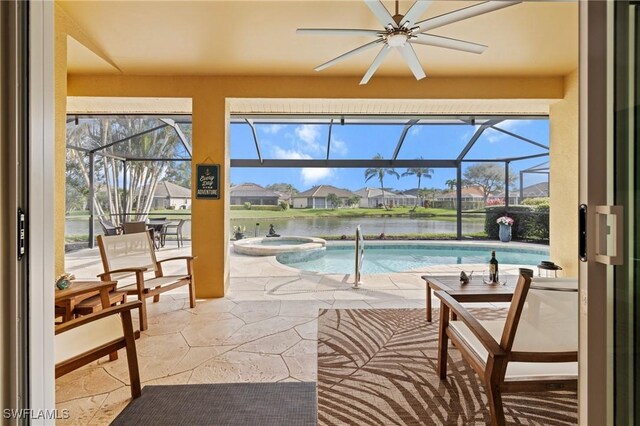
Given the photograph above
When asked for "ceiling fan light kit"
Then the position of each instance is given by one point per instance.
(401, 31)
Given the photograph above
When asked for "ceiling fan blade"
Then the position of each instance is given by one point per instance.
(381, 13)
(411, 58)
(337, 31)
(461, 14)
(348, 54)
(375, 64)
(415, 12)
(448, 43)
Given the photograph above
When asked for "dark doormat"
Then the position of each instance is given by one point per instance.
(242, 404)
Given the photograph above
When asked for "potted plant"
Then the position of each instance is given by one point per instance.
(238, 232)
(505, 223)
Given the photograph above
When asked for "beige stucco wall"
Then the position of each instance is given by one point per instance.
(563, 185)
(65, 28)
(61, 22)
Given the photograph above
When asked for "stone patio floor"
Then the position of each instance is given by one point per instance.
(263, 330)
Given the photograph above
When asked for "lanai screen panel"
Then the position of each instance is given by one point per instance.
(442, 141)
(353, 137)
(131, 137)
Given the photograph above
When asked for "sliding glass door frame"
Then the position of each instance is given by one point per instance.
(594, 390)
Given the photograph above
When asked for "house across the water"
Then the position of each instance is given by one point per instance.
(316, 197)
(254, 194)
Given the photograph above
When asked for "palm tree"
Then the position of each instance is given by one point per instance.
(380, 173)
(419, 172)
(451, 183)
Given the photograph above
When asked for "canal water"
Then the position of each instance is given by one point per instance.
(323, 226)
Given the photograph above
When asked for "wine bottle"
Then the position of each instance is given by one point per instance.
(493, 268)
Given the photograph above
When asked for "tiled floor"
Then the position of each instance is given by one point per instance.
(263, 330)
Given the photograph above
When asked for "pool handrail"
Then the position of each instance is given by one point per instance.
(359, 256)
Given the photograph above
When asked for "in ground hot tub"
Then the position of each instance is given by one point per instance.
(272, 246)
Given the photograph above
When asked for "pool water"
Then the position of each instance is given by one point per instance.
(394, 258)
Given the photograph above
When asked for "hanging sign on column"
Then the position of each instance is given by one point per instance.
(208, 181)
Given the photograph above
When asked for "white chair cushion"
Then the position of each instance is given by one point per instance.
(530, 340)
(87, 337)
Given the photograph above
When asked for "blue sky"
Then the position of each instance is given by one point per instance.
(365, 141)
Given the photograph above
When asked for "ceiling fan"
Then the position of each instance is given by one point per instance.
(402, 31)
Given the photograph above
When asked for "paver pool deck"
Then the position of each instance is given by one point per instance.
(263, 330)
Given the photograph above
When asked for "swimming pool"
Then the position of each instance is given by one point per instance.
(383, 258)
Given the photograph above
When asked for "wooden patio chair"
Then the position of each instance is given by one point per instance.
(134, 227)
(108, 228)
(534, 349)
(129, 255)
(86, 339)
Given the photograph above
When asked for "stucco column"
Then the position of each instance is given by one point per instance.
(210, 225)
(563, 178)
(60, 159)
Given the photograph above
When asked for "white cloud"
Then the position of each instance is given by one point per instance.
(289, 154)
(509, 125)
(309, 175)
(272, 129)
(494, 136)
(512, 125)
(338, 147)
(415, 130)
(308, 135)
(314, 175)
(466, 136)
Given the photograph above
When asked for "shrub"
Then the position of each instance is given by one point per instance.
(537, 226)
(247, 206)
(542, 201)
(530, 222)
(283, 205)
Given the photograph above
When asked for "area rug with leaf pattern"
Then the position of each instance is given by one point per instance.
(378, 367)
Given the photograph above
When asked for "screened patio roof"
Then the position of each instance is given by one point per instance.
(168, 138)
(400, 132)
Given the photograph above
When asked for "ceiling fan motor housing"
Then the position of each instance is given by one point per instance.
(397, 38)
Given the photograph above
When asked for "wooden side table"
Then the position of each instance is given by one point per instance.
(67, 299)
